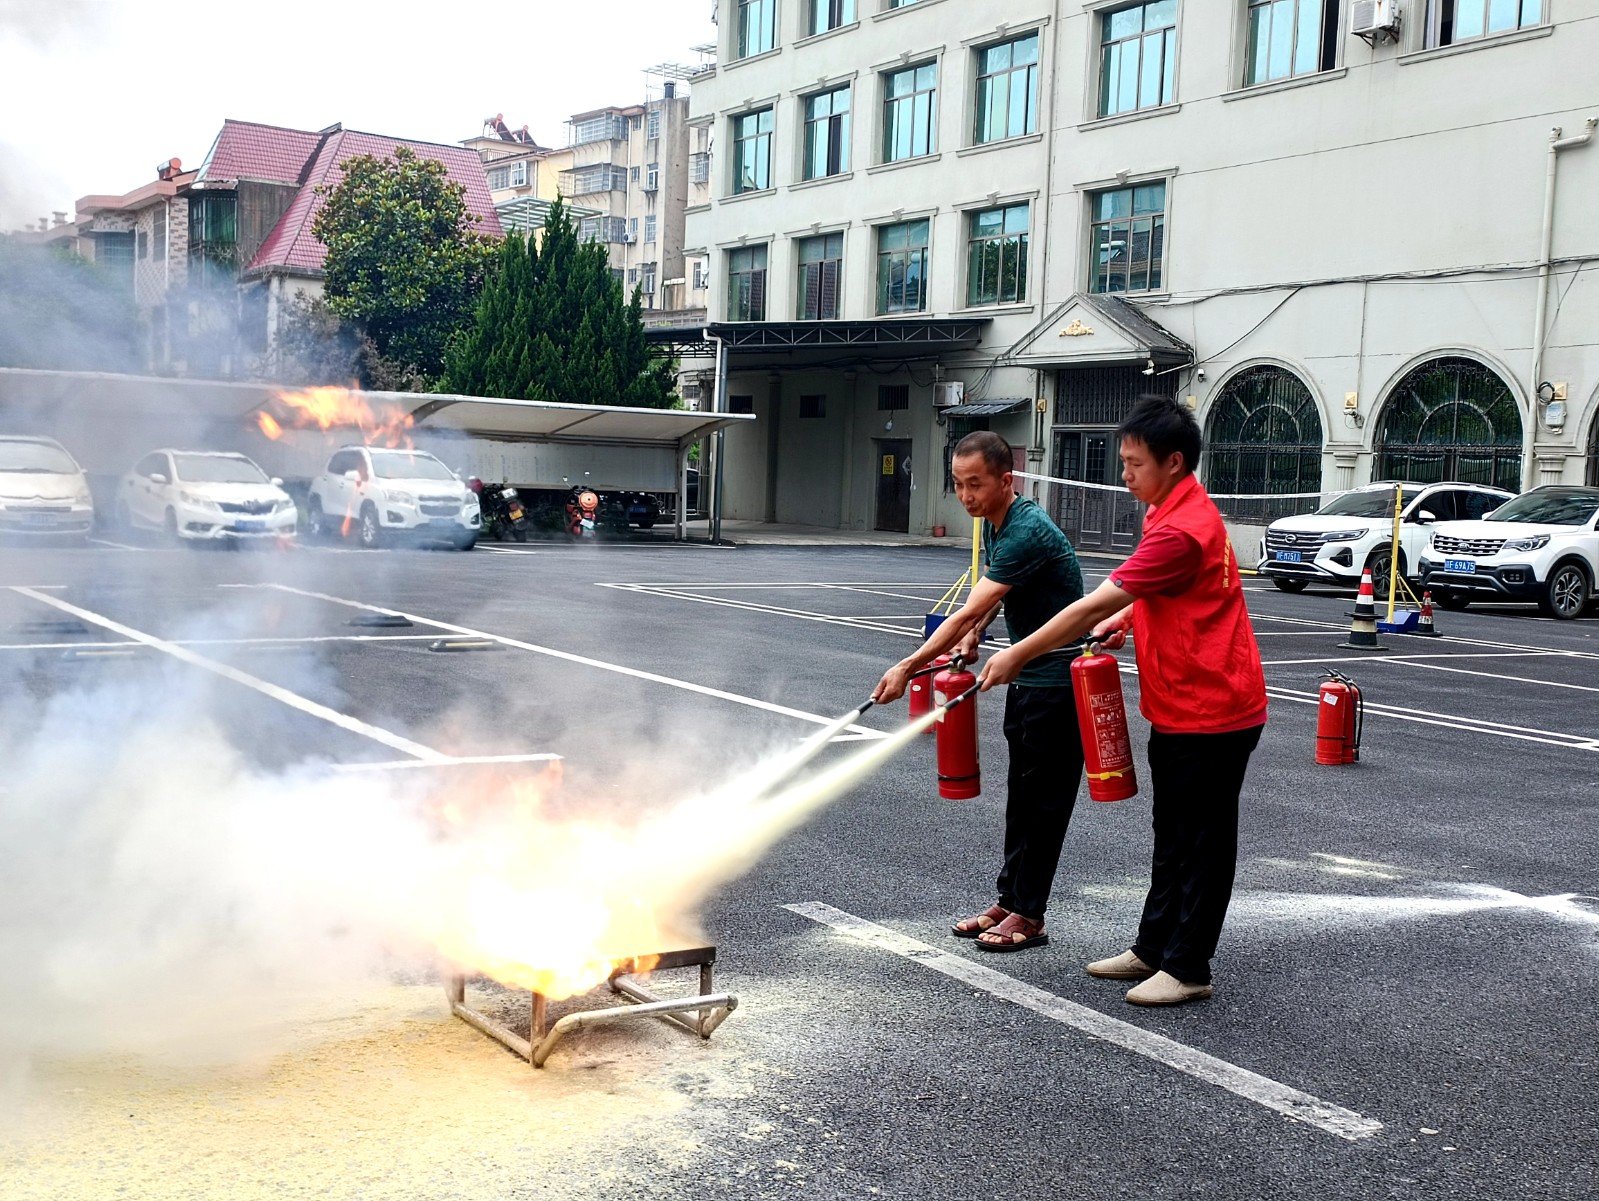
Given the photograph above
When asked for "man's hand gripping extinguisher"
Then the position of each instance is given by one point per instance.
(955, 692)
(1102, 720)
(1340, 720)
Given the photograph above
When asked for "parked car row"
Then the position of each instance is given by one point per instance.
(1460, 541)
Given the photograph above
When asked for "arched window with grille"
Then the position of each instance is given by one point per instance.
(1593, 451)
(1451, 419)
(1264, 436)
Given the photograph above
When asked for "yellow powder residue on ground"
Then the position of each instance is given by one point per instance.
(389, 1098)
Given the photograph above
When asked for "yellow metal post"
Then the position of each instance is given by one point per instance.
(977, 547)
(1393, 551)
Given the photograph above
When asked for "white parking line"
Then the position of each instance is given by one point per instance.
(676, 593)
(568, 656)
(108, 542)
(1291, 1102)
(448, 761)
(1471, 725)
(293, 699)
(309, 640)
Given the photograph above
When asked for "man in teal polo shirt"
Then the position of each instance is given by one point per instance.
(1033, 573)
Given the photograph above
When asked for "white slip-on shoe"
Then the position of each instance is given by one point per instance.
(1125, 966)
(1163, 988)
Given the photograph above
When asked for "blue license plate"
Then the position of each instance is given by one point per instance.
(249, 527)
(1289, 556)
(1463, 566)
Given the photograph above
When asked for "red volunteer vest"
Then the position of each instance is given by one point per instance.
(1198, 664)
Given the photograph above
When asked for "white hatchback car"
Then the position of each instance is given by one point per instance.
(1355, 531)
(204, 496)
(43, 491)
(385, 495)
(1542, 546)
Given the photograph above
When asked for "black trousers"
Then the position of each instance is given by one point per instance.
(1195, 781)
(1046, 767)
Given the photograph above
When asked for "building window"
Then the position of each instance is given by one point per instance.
(746, 284)
(499, 178)
(158, 237)
(752, 151)
(910, 112)
(632, 275)
(699, 167)
(652, 177)
(1138, 57)
(1451, 21)
(1263, 436)
(143, 242)
(757, 26)
(653, 124)
(602, 177)
(821, 271)
(1007, 90)
(702, 274)
(649, 227)
(213, 239)
(632, 227)
(830, 14)
(606, 127)
(812, 407)
(892, 4)
(1290, 37)
(902, 267)
(827, 133)
(1127, 240)
(740, 404)
(996, 256)
(891, 398)
(519, 175)
(1451, 419)
(647, 279)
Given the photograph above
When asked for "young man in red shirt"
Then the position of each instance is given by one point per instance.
(1200, 685)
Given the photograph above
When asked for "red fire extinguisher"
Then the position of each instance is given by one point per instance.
(920, 692)
(1102, 718)
(959, 777)
(1341, 718)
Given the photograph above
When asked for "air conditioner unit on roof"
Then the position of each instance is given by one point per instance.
(950, 392)
(1371, 19)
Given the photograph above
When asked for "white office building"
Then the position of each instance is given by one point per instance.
(1359, 234)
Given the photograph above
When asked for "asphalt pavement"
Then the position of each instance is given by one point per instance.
(1404, 991)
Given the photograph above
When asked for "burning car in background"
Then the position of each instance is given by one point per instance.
(43, 491)
(205, 496)
(381, 495)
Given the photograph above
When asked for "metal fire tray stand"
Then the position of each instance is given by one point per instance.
(700, 1013)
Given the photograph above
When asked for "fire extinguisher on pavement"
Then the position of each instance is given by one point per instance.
(954, 689)
(1340, 720)
(1102, 719)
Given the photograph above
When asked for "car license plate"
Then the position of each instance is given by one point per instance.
(41, 519)
(1463, 566)
(1289, 556)
(249, 527)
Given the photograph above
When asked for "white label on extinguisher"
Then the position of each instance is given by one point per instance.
(1110, 730)
(1329, 698)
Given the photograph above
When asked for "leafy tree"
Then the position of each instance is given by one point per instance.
(58, 311)
(403, 259)
(552, 324)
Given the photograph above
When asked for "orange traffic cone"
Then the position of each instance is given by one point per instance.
(1363, 629)
(1424, 626)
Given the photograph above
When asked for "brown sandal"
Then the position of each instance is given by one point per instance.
(986, 920)
(1018, 933)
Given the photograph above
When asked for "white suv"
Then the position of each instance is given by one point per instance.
(1354, 531)
(1542, 546)
(384, 495)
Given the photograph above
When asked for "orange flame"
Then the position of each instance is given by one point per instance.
(329, 407)
(510, 919)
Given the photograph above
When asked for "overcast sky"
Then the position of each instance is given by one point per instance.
(95, 93)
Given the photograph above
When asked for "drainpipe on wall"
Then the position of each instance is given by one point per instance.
(1545, 249)
(720, 440)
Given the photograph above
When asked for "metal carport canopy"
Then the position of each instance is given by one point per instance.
(550, 421)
